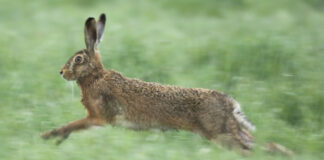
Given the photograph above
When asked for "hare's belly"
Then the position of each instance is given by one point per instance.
(122, 121)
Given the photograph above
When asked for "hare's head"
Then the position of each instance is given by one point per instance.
(86, 61)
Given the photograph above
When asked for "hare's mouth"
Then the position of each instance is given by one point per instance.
(68, 77)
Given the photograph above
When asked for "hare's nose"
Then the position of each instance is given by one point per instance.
(61, 72)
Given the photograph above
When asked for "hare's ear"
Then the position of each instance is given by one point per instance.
(101, 27)
(90, 34)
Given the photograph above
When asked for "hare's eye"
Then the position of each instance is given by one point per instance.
(78, 59)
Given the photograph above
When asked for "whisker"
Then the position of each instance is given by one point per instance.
(72, 89)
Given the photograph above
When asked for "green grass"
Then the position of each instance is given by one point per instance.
(267, 54)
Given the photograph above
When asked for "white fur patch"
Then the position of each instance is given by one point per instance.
(122, 122)
(240, 117)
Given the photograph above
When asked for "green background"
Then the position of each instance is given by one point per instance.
(266, 54)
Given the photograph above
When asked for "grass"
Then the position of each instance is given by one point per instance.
(267, 54)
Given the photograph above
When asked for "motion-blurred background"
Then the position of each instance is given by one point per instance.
(267, 54)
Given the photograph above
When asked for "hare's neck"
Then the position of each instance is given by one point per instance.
(90, 79)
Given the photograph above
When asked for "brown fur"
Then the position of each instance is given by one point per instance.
(109, 97)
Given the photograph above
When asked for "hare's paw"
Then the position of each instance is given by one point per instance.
(49, 134)
(62, 138)
(59, 133)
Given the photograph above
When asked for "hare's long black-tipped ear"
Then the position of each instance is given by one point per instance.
(90, 34)
(101, 27)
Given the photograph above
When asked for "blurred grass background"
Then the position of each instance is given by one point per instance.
(266, 54)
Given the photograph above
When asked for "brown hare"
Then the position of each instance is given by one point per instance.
(111, 98)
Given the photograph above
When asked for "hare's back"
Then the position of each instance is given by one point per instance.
(175, 97)
(149, 95)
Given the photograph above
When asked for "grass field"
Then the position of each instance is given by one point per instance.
(267, 54)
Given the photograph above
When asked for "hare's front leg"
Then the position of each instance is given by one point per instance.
(65, 131)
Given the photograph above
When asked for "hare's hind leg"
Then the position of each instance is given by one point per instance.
(240, 135)
(220, 126)
(240, 127)
(211, 124)
(230, 136)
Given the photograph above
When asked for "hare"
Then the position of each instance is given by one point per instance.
(111, 98)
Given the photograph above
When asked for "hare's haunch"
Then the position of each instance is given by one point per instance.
(111, 98)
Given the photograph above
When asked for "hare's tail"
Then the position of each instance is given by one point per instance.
(241, 118)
